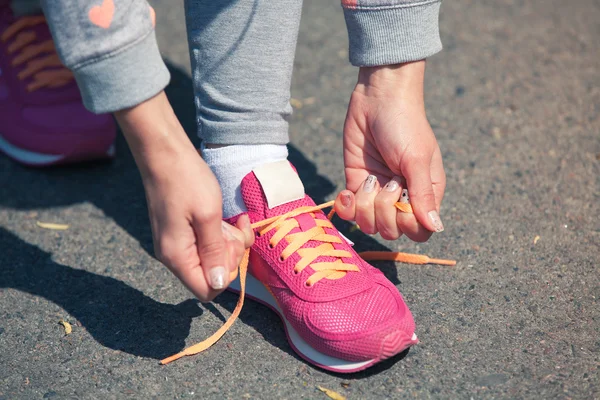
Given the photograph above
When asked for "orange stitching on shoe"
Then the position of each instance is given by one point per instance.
(46, 71)
(284, 224)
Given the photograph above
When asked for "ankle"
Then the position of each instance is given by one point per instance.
(231, 163)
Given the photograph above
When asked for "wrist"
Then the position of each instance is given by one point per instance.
(154, 134)
(404, 80)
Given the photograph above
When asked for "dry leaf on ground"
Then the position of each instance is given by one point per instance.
(296, 103)
(49, 225)
(66, 325)
(331, 394)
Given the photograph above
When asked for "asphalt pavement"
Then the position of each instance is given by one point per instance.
(514, 99)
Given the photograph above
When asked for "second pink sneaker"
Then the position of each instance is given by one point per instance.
(339, 312)
(42, 118)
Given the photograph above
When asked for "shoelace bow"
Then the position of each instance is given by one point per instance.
(285, 223)
(43, 64)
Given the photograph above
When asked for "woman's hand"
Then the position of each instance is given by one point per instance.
(388, 142)
(184, 201)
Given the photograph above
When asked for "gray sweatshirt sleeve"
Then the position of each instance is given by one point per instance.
(111, 48)
(383, 32)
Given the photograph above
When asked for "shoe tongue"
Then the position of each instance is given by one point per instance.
(273, 189)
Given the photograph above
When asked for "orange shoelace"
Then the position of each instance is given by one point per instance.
(284, 224)
(43, 64)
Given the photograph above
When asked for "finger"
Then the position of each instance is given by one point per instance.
(243, 224)
(344, 205)
(212, 250)
(235, 244)
(409, 225)
(175, 246)
(422, 196)
(184, 263)
(194, 279)
(438, 177)
(407, 222)
(234, 257)
(365, 205)
(385, 212)
(240, 237)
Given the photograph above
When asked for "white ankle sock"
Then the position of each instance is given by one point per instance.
(231, 164)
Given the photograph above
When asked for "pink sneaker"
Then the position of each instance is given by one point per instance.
(42, 118)
(339, 312)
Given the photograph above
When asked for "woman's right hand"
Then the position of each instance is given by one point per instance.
(184, 201)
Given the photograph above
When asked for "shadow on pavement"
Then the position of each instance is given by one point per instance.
(117, 315)
(100, 302)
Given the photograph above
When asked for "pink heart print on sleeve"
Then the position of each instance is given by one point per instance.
(103, 14)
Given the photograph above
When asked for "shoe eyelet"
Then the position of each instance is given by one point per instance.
(281, 259)
(257, 234)
(271, 246)
(295, 272)
(308, 285)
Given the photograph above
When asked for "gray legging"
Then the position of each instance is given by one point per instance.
(242, 59)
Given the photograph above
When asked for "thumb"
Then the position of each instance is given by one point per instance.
(422, 196)
(212, 251)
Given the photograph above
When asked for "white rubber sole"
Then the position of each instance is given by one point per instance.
(38, 159)
(257, 291)
(28, 157)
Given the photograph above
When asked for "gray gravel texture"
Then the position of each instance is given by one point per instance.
(514, 99)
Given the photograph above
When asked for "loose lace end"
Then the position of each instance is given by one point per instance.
(404, 258)
(200, 347)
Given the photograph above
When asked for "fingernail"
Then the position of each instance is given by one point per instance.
(217, 278)
(391, 186)
(370, 183)
(437, 222)
(346, 200)
(404, 197)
